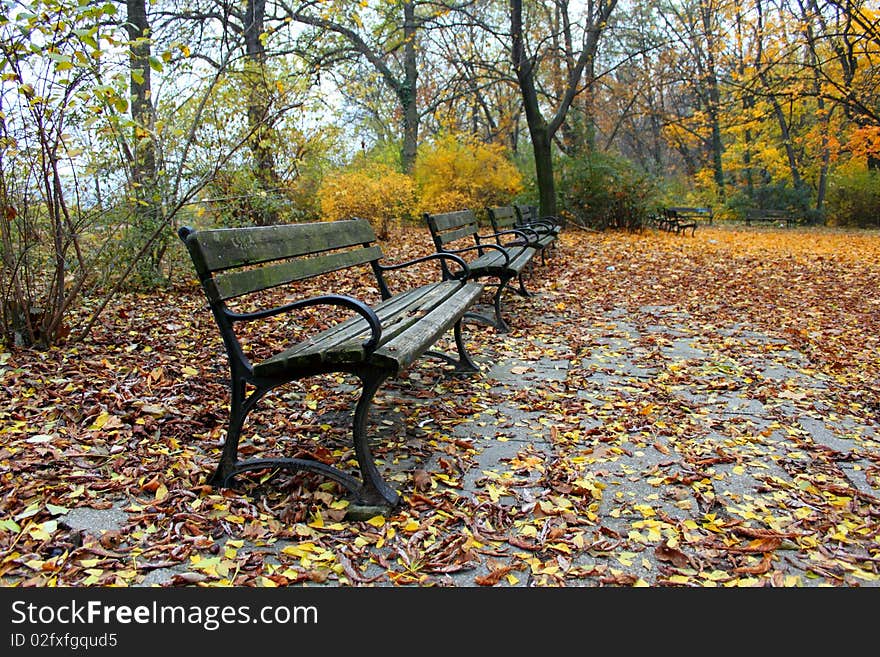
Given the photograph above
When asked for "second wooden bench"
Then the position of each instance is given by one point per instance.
(458, 232)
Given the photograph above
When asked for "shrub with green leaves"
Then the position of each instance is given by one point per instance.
(854, 199)
(776, 196)
(602, 191)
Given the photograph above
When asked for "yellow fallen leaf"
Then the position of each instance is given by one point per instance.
(100, 421)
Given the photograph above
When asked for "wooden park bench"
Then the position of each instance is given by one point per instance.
(458, 232)
(529, 216)
(758, 215)
(239, 268)
(691, 213)
(505, 222)
(670, 220)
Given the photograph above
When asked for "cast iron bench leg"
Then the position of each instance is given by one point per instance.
(239, 408)
(369, 495)
(374, 492)
(498, 321)
(463, 364)
(522, 291)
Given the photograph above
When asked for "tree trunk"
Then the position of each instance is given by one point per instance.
(144, 169)
(707, 13)
(407, 92)
(538, 130)
(774, 102)
(258, 107)
(144, 152)
(542, 131)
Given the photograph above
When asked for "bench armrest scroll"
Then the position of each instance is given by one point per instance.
(480, 247)
(465, 273)
(324, 300)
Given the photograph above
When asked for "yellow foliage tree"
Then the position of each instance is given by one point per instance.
(375, 192)
(457, 172)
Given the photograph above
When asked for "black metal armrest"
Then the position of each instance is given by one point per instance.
(323, 300)
(440, 255)
(524, 232)
(479, 247)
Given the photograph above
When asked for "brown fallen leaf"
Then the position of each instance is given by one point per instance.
(152, 485)
(494, 577)
(421, 480)
(676, 557)
(758, 569)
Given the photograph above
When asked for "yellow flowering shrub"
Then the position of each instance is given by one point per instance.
(376, 193)
(457, 172)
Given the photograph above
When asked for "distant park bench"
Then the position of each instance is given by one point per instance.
(238, 267)
(681, 219)
(691, 213)
(758, 215)
(459, 232)
(505, 223)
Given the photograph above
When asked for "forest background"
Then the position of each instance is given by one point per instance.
(120, 121)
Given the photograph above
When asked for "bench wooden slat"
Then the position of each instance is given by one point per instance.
(491, 260)
(230, 284)
(450, 236)
(224, 248)
(406, 346)
(343, 343)
(444, 221)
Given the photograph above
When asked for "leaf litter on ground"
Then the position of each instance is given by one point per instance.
(675, 411)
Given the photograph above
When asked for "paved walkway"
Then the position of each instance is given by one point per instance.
(708, 432)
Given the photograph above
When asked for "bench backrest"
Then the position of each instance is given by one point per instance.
(231, 262)
(686, 210)
(503, 217)
(449, 227)
(757, 213)
(526, 214)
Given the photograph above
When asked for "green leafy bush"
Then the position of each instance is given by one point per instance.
(237, 198)
(776, 196)
(603, 191)
(854, 199)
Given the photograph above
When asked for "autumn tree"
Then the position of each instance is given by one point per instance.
(52, 81)
(388, 39)
(581, 37)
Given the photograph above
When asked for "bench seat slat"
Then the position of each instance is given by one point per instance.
(493, 260)
(406, 346)
(411, 322)
(355, 330)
